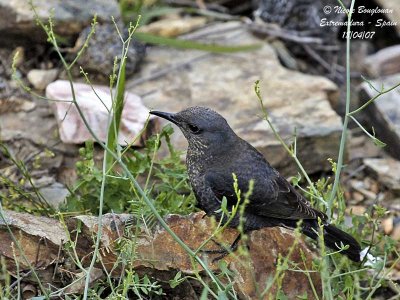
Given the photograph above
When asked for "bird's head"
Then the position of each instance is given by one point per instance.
(201, 126)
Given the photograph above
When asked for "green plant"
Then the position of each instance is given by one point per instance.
(165, 181)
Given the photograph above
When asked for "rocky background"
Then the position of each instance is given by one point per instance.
(302, 72)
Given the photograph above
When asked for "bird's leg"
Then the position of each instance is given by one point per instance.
(223, 251)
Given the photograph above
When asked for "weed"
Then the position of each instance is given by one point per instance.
(165, 181)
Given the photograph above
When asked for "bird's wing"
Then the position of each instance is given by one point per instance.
(273, 196)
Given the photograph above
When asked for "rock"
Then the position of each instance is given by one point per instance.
(39, 124)
(78, 286)
(396, 230)
(358, 197)
(174, 79)
(18, 56)
(356, 210)
(71, 126)
(361, 146)
(387, 225)
(384, 113)
(33, 142)
(39, 238)
(386, 170)
(172, 27)
(361, 191)
(41, 78)
(16, 104)
(158, 254)
(393, 14)
(102, 49)
(40, 181)
(384, 62)
(69, 17)
(55, 194)
(391, 226)
(28, 291)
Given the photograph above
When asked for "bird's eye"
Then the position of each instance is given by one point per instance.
(194, 128)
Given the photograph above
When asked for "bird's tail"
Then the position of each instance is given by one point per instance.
(334, 238)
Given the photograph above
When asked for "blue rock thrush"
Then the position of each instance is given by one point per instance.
(215, 152)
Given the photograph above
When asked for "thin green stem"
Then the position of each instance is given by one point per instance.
(372, 137)
(378, 284)
(21, 252)
(283, 143)
(339, 164)
(348, 273)
(307, 272)
(99, 227)
(373, 99)
(85, 43)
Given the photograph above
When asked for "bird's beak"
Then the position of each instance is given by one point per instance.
(165, 115)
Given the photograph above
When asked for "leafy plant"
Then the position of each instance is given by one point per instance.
(165, 180)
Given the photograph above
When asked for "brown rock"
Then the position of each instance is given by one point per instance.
(361, 190)
(387, 225)
(157, 254)
(112, 229)
(16, 104)
(358, 197)
(396, 233)
(356, 210)
(39, 238)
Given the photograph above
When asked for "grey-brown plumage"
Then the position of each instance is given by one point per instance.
(215, 152)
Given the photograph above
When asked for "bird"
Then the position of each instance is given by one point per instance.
(215, 153)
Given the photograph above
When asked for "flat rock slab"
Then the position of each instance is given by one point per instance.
(251, 273)
(172, 80)
(37, 240)
(156, 253)
(384, 113)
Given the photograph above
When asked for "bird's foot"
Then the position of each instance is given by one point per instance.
(223, 251)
